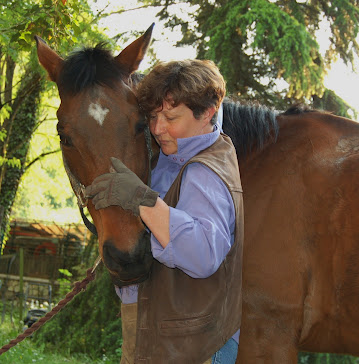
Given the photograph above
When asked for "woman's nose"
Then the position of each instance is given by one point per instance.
(159, 125)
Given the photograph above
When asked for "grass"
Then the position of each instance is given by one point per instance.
(27, 353)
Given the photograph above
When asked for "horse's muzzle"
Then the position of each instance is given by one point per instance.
(127, 268)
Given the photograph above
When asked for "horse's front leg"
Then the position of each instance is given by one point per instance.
(267, 341)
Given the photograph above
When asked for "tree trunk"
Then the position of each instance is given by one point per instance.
(19, 128)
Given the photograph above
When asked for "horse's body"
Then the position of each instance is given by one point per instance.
(301, 250)
(300, 266)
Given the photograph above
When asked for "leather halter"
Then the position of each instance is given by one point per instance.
(79, 188)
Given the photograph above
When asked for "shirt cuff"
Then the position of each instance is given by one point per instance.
(163, 255)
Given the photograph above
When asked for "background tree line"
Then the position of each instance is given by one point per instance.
(267, 51)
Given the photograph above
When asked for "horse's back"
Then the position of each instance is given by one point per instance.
(301, 271)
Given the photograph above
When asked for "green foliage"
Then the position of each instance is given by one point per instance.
(268, 34)
(5, 111)
(311, 358)
(12, 162)
(64, 282)
(51, 20)
(88, 324)
(257, 43)
(333, 103)
(27, 352)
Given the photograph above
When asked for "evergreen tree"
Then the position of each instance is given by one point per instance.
(257, 43)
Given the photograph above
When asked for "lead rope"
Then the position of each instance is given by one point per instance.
(79, 286)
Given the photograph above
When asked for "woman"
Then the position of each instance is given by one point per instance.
(190, 307)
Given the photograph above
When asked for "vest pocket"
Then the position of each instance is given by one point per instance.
(186, 326)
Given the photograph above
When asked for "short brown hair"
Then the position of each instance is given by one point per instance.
(196, 83)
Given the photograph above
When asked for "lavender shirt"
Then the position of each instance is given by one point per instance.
(202, 224)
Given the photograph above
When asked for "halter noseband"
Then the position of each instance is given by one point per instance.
(79, 188)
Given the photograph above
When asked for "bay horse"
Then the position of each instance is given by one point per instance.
(300, 176)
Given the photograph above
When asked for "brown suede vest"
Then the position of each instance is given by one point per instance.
(182, 320)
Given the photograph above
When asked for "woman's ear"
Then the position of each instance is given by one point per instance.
(208, 114)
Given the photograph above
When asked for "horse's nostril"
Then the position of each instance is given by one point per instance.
(114, 257)
(131, 266)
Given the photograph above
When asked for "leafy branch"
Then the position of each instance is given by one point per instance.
(41, 156)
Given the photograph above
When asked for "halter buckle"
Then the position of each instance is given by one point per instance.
(82, 199)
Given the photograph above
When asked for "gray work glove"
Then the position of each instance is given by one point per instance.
(122, 188)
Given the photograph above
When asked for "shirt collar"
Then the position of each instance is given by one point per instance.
(189, 147)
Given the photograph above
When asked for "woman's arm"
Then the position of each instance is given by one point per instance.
(200, 228)
(157, 219)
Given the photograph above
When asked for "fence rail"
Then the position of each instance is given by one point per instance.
(41, 266)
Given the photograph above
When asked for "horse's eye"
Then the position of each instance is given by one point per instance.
(65, 140)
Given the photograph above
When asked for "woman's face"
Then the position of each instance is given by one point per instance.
(169, 123)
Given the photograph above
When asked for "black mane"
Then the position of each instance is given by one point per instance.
(249, 125)
(89, 67)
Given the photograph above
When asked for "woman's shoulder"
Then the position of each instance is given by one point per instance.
(198, 169)
(200, 182)
(198, 174)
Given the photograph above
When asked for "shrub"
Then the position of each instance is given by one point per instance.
(89, 323)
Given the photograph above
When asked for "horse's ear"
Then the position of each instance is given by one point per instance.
(49, 59)
(133, 54)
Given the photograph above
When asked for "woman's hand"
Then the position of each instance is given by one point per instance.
(120, 188)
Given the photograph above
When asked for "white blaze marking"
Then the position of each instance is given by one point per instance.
(98, 112)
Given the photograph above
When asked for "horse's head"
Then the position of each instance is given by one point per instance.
(99, 118)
